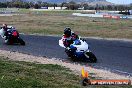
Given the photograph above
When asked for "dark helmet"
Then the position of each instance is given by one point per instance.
(67, 32)
(4, 26)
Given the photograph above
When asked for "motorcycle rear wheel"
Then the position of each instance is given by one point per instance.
(91, 57)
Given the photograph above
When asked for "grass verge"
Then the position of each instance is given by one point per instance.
(19, 74)
(15, 74)
(53, 23)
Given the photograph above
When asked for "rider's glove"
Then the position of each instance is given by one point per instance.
(67, 48)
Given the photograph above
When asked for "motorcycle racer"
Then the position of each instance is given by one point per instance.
(75, 47)
(5, 29)
(68, 37)
(10, 35)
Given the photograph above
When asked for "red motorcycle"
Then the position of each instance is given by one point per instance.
(12, 37)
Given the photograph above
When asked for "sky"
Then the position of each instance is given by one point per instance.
(120, 1)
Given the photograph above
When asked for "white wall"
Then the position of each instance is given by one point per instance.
(57, 8)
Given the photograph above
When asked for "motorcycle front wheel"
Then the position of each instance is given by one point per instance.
(91, 57)
(8, 42)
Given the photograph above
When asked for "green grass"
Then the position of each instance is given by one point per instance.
(15, 74)
(19, 74)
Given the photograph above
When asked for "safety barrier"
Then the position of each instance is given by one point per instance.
(110, 16)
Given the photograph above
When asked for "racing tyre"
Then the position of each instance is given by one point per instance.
(7, 41)
(21, 41)
(91, 57)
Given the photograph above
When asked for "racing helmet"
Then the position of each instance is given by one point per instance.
(4, 26)
(67, 31)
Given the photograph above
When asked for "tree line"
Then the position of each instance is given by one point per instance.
(70, 5)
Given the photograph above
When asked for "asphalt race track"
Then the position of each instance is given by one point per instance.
(112, 55)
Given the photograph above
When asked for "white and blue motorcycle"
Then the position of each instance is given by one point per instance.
(79, 50)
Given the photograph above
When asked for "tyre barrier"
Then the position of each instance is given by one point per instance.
(110, 16)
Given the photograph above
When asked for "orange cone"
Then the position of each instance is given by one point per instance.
(84, 74)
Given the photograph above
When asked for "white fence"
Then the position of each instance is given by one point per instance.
(50, 8)
(104, 16)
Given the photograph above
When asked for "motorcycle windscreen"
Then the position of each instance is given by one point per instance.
(77, 42)
(81, 48)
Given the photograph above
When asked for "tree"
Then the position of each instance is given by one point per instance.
(26, 5)
(85, 5)
(109, 7)
(17, 4)
(3, 5)
(55, 5)
(72, 5)
(121, 8)
(91, 8)
(36, 6)
(31, 4)
(116, 8)
(63, 4)
(44, 4)
(131, 6)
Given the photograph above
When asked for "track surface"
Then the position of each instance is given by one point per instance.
(115, 55)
